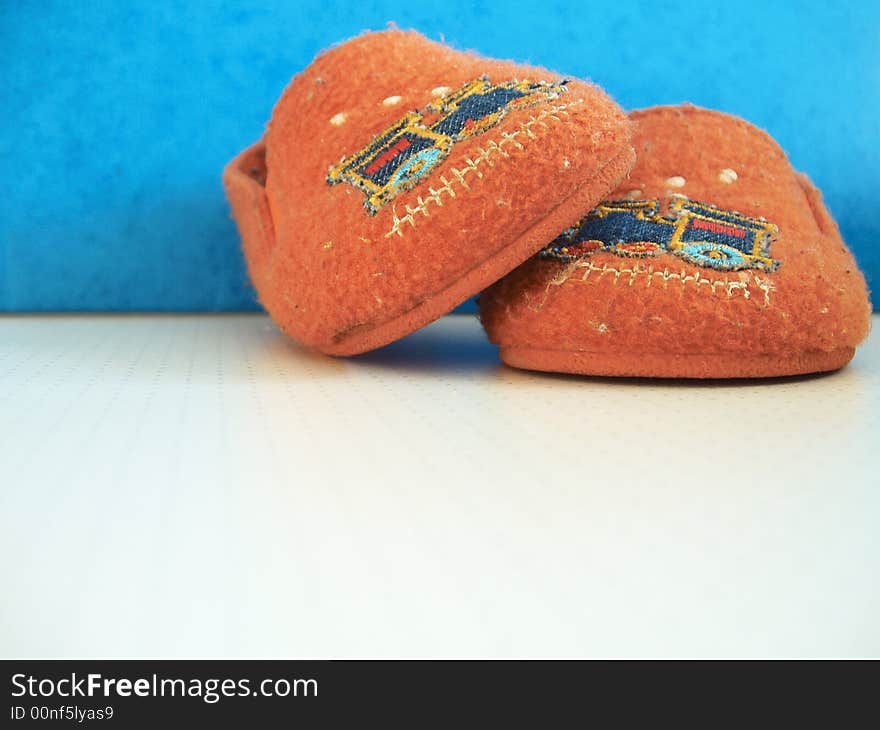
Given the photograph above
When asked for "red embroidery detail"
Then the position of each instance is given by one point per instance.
(718, 228)
(386, 156)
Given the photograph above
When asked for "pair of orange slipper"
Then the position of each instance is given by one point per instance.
(398, 177)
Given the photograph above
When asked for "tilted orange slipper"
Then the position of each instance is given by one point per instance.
(715, 259)
(399, 177)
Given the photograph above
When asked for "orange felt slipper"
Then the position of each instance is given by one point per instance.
(399, 177)
(714, 260)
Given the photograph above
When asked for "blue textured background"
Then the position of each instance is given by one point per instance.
(116, 118)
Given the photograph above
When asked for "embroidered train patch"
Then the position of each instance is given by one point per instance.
(405, 153)
(696, 232)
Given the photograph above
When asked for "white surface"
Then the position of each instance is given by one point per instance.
(200, 486)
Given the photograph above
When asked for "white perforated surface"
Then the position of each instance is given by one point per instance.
(200, 486)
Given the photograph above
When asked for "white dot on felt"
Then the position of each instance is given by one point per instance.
(440, 90)
(676, 181)
(727, 176)
(337, 120)
(392, 100)
(566, 164)
(634, 194)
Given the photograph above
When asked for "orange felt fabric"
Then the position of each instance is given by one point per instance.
(344, 281)
(665, 317)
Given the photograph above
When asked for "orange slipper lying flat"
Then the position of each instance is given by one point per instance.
(714, 260)
(399, 177)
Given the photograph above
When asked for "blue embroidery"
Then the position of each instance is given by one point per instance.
(477, 106)
(696, 232)
(405, 153)
(713, 255)
(416, 167)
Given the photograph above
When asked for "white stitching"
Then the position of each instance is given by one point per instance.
(728, 285)
(472, 165)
